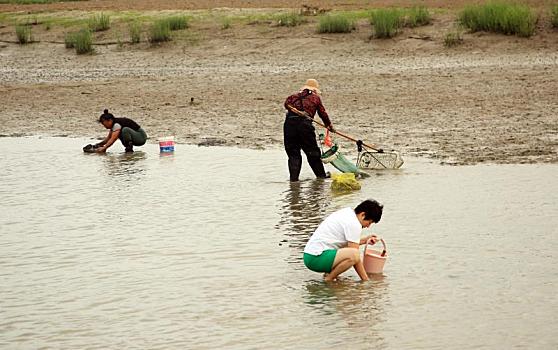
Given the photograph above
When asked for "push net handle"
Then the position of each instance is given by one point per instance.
(303, 114)
(383, 243)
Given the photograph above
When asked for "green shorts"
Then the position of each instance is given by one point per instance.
(322, 262)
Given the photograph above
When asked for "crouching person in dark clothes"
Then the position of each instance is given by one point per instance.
(128, 131)
(298, 131)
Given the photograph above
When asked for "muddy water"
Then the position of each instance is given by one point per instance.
(202, 250)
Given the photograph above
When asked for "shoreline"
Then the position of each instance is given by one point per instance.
(490, 100)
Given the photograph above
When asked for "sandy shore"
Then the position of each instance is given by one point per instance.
(492, 99)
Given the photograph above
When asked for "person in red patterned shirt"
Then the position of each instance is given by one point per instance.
(298, 131)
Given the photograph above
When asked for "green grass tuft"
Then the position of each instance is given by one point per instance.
(160, 31)
(338, 23)
(99, 23)
(135, 32)
(177, 22)
(83, 42)
(291, 19)
(69, 40)
(418, 16)
(23, 34)
(497, 17)
(453, 39)
(226, 23)
(386, 22)
(554, 16)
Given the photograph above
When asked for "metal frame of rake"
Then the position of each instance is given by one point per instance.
(360, 143)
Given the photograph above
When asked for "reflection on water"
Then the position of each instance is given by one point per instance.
(304, 206)
(360, 305)
(202, 250)
(130, 165)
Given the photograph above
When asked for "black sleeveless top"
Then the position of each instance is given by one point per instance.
(127, 123)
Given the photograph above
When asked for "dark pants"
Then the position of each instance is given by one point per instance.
(299, 135)
(137, 138)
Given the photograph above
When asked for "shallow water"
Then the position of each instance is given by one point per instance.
(202, 250)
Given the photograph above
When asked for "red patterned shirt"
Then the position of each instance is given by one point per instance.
(310, 103)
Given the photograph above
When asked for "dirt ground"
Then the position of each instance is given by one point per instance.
(492, 99)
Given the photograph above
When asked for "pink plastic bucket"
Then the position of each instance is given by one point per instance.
(374, 260)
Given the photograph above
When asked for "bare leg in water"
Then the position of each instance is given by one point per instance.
(344, 260)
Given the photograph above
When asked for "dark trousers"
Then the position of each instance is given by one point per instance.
(127, 135)
(299, 135)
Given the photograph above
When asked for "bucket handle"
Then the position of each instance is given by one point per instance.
(383, 243)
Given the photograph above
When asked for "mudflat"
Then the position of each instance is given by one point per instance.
(491, 99)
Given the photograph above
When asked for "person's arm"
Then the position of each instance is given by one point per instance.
(359, 267)
(105, 140)
(323, 114)
(365, 239)
(111, 138)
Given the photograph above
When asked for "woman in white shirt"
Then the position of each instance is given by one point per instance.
(334, 247)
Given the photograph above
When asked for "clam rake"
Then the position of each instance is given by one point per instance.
(369, 158)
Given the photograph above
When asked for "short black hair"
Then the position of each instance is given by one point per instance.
(106, 116)
(372, 210)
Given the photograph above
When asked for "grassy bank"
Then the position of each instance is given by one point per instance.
(133, 27)
(499, 17)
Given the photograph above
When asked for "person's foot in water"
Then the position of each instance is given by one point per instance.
(129, 147)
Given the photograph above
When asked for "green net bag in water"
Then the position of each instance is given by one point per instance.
(338, 160)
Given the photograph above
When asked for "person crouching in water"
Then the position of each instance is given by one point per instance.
(128, 131)
(298, 131)
(334, 247)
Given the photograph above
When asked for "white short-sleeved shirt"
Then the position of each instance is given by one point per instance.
(334, 232)
(116, 126)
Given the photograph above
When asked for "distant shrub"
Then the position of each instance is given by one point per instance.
(69, 40)
(83, 42)
(291, 19)
(135, 32)
(99, 23)
(386, 22)
(253, 20)
(23, 34)
(160, 31)
(335, 24)
(177, 22)
(554, 17)
(509, 19)
(418, 16)
(226, 23)
(33, 20)
(453, 39)
(119, 42)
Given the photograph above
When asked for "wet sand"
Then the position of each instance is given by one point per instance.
(492, 99)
